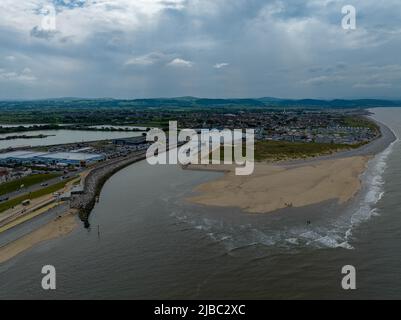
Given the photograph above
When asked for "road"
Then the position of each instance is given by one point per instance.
(37, 187)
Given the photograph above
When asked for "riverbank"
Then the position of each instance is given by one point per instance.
(39, 136)
(95, 180)
(80, 205)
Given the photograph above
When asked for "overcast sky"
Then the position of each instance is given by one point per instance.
(204, 48)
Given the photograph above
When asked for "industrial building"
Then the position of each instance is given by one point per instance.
(130, 141)
(57, 158)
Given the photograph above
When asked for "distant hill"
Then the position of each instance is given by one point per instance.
(338, 103)
(193, 102)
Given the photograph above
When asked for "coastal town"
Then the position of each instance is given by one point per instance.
(72, 172)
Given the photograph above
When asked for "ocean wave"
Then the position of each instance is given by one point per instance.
(373, 179)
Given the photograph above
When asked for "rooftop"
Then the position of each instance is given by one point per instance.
(71, 156)
(75, 156)
(13, 154)
(29, 155)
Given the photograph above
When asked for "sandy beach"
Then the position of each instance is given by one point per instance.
(54, 229)
(295, 183)
(272, 187)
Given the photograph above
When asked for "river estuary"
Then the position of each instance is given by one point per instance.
(153, 244)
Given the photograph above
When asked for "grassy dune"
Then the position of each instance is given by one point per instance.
(283, 150)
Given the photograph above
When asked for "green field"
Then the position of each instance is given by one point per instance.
(36, 194)
(12, 186)
(282, 150)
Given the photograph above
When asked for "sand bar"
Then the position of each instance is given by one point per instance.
(272, 187)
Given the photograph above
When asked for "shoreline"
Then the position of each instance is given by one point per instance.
(48, 230)
(93, 183)
(294, 183)
(372, 148)
(276, 187)
(79, 206)
(95, 180)
(59, 227)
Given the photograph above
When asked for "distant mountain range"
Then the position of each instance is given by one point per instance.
(193, 102)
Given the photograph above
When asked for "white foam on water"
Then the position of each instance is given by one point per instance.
(336, 233)
(293, 241)
(374, 182)
(340, 233)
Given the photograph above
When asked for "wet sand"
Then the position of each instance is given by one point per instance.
(54, 229)
(274, 187)
(291, 184)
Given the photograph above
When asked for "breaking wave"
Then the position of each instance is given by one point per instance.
(331, 233)
(374, 183)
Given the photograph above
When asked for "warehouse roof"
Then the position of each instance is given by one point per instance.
(74, 156)
(30, 155)
(13, 154)
(71, 156)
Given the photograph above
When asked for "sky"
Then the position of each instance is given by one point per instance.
(204, 48)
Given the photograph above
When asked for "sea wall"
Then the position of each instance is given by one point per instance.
(95, 180)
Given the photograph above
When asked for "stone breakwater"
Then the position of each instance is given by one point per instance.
(95, 180)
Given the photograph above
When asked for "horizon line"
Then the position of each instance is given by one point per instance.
(196, 97)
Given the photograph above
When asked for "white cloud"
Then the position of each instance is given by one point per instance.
(221, 65)
(372, 85)
(146, 60)
(177, 62)
(79, 22)
(320, 80)
(10, 58)
(24, 76)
